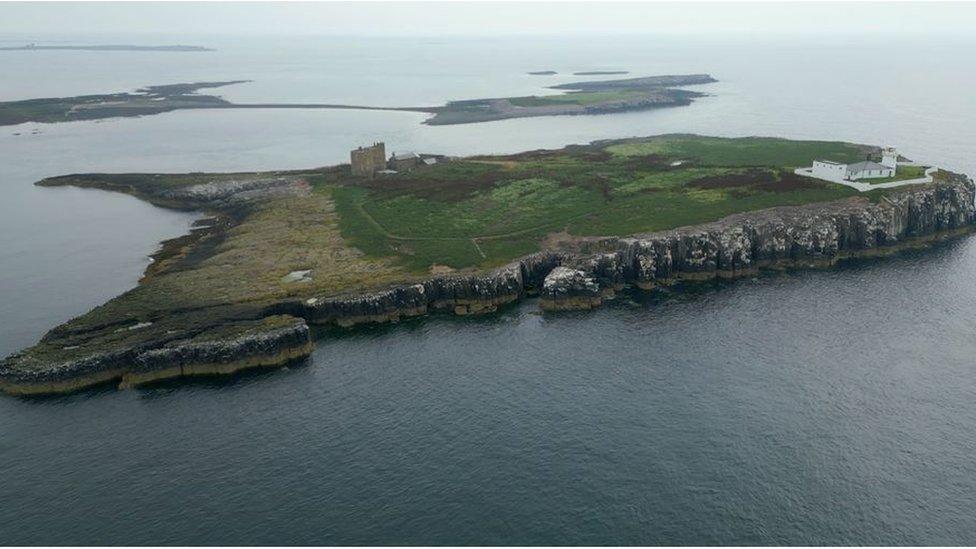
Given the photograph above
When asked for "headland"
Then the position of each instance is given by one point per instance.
(286, 250)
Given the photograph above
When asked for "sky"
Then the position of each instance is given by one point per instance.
(51, 19)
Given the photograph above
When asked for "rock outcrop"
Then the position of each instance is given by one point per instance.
(225, 193)
(269, 342)
(566, 288)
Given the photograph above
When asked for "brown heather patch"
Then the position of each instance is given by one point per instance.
(448, 189)
(757, 180)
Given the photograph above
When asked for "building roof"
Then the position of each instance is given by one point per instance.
(404, 155)
(829, 162)
(866, 165)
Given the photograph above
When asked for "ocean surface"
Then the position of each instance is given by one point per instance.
(818, 407)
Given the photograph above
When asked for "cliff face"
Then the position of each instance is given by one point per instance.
(804, 236)
(581, 275)
(813, 235)
(461, 295)
(576, 276)
(267, 342)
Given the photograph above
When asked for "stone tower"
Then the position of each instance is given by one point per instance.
(366, 161)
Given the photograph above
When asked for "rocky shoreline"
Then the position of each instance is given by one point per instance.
(273, 341)
(577, 275)
(581, 275)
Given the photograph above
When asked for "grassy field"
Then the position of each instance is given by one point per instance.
(484, 212)
(903, 173)
(575, 98)
(748, 151)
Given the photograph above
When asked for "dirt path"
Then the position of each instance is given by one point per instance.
(477, 247)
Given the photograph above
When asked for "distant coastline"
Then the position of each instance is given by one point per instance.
(575, 98)
(107, 47)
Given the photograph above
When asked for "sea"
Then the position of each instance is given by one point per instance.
(809, 407)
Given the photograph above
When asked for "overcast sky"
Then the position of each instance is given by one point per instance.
(479, 18)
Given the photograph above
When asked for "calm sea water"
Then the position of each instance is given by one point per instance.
(811, 407)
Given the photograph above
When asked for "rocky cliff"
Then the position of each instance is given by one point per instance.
(270, 341)
(576, 275)
(581, 274)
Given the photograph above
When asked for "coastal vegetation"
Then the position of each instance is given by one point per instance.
(483, 212)
(904, 173)
(581, 98)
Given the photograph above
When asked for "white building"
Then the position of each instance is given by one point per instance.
(830, 170)
(868, 170)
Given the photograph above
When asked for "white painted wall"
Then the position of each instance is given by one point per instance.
(826, 170)
(889, 157)
(872, 174)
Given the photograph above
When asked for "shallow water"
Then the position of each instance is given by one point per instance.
(812, 407)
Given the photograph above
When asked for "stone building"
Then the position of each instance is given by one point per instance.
(404, 161)
(366, 161)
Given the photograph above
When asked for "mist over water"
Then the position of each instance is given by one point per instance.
(809, 408)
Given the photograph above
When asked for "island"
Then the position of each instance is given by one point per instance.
(542, 73)
(595, 97)
(599, 97)
(285, 250)
(144, 101)
(106, 47)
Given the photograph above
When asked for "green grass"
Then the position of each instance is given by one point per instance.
(355, 226)
(747, 151)
(435, 215)
(901, 174)
(574, 98)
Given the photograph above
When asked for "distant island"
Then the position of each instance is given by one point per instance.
(109, 47)
(592, 97)
(595, 73)
(543, 73)
(418, 234)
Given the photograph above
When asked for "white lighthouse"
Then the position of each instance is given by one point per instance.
(889, 158)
